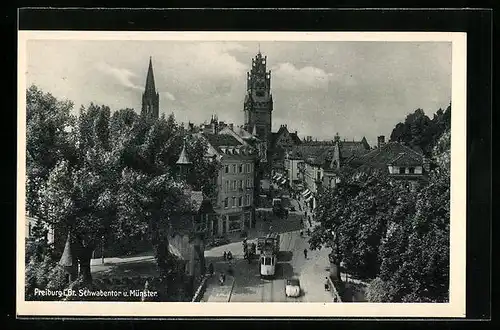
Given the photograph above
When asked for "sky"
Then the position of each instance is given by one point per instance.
(358, 88)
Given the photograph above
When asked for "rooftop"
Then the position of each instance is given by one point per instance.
(183, 158)
(387, 154)
(221, 140)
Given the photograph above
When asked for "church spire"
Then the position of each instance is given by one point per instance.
(150, 98)
(150, 79)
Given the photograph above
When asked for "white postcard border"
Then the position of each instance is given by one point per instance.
(456, 306)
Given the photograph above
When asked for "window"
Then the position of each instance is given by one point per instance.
(234, 168)
(247, 200)
(240, 184)
(248, 168)
(226, 169)
(234, 184)
(227, 185)
(240, 168)
(248, 183)
(318, 176)
(267, 261)
(234, 202)
(243, 184)
(240, 201)
(401, 170)
(29, 229)
(412, 170)
(226, 202)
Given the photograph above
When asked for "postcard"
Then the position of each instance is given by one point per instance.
(238, 174)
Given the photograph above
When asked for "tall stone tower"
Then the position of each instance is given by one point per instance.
(150, 98)
(258, 104)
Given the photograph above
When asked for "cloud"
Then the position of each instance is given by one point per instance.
(287, 76)
(121, 75)
(169, 96)
(200, 68)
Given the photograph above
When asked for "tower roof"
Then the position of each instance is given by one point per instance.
(67, 257)
(150, 79)
(183, 158)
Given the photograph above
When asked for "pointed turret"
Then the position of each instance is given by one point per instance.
(67, 256)
(254, 130)
(184, 163)
(150, 97)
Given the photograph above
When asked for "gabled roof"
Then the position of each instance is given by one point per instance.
(391, 151)
(274, 136)
(353, 148)
(221, 140)
(313, 154)
(295, 138)
(406, 159)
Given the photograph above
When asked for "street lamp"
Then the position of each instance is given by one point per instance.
(102, 249)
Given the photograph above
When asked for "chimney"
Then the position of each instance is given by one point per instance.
(380, 141)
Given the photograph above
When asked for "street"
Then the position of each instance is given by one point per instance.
(248, 286)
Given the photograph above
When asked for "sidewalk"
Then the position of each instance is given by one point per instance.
(216, 292)
(312, 277)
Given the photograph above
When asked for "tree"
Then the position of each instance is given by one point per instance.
(48, 140)
(418, 130)
(355, 215)
(415, 252)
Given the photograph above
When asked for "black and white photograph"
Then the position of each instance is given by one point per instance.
(214, 169)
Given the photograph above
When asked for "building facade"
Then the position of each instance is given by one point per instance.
(235, 183)
(402, 163)
(30, 225)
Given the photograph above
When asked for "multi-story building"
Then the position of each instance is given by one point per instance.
(294, 165)
(281, 144)
(236, 180)
(31, 223)
(400, 162)
(321, 161)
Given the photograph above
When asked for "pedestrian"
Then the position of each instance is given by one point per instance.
(305, 253)
(211, 269)
(225, 255)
